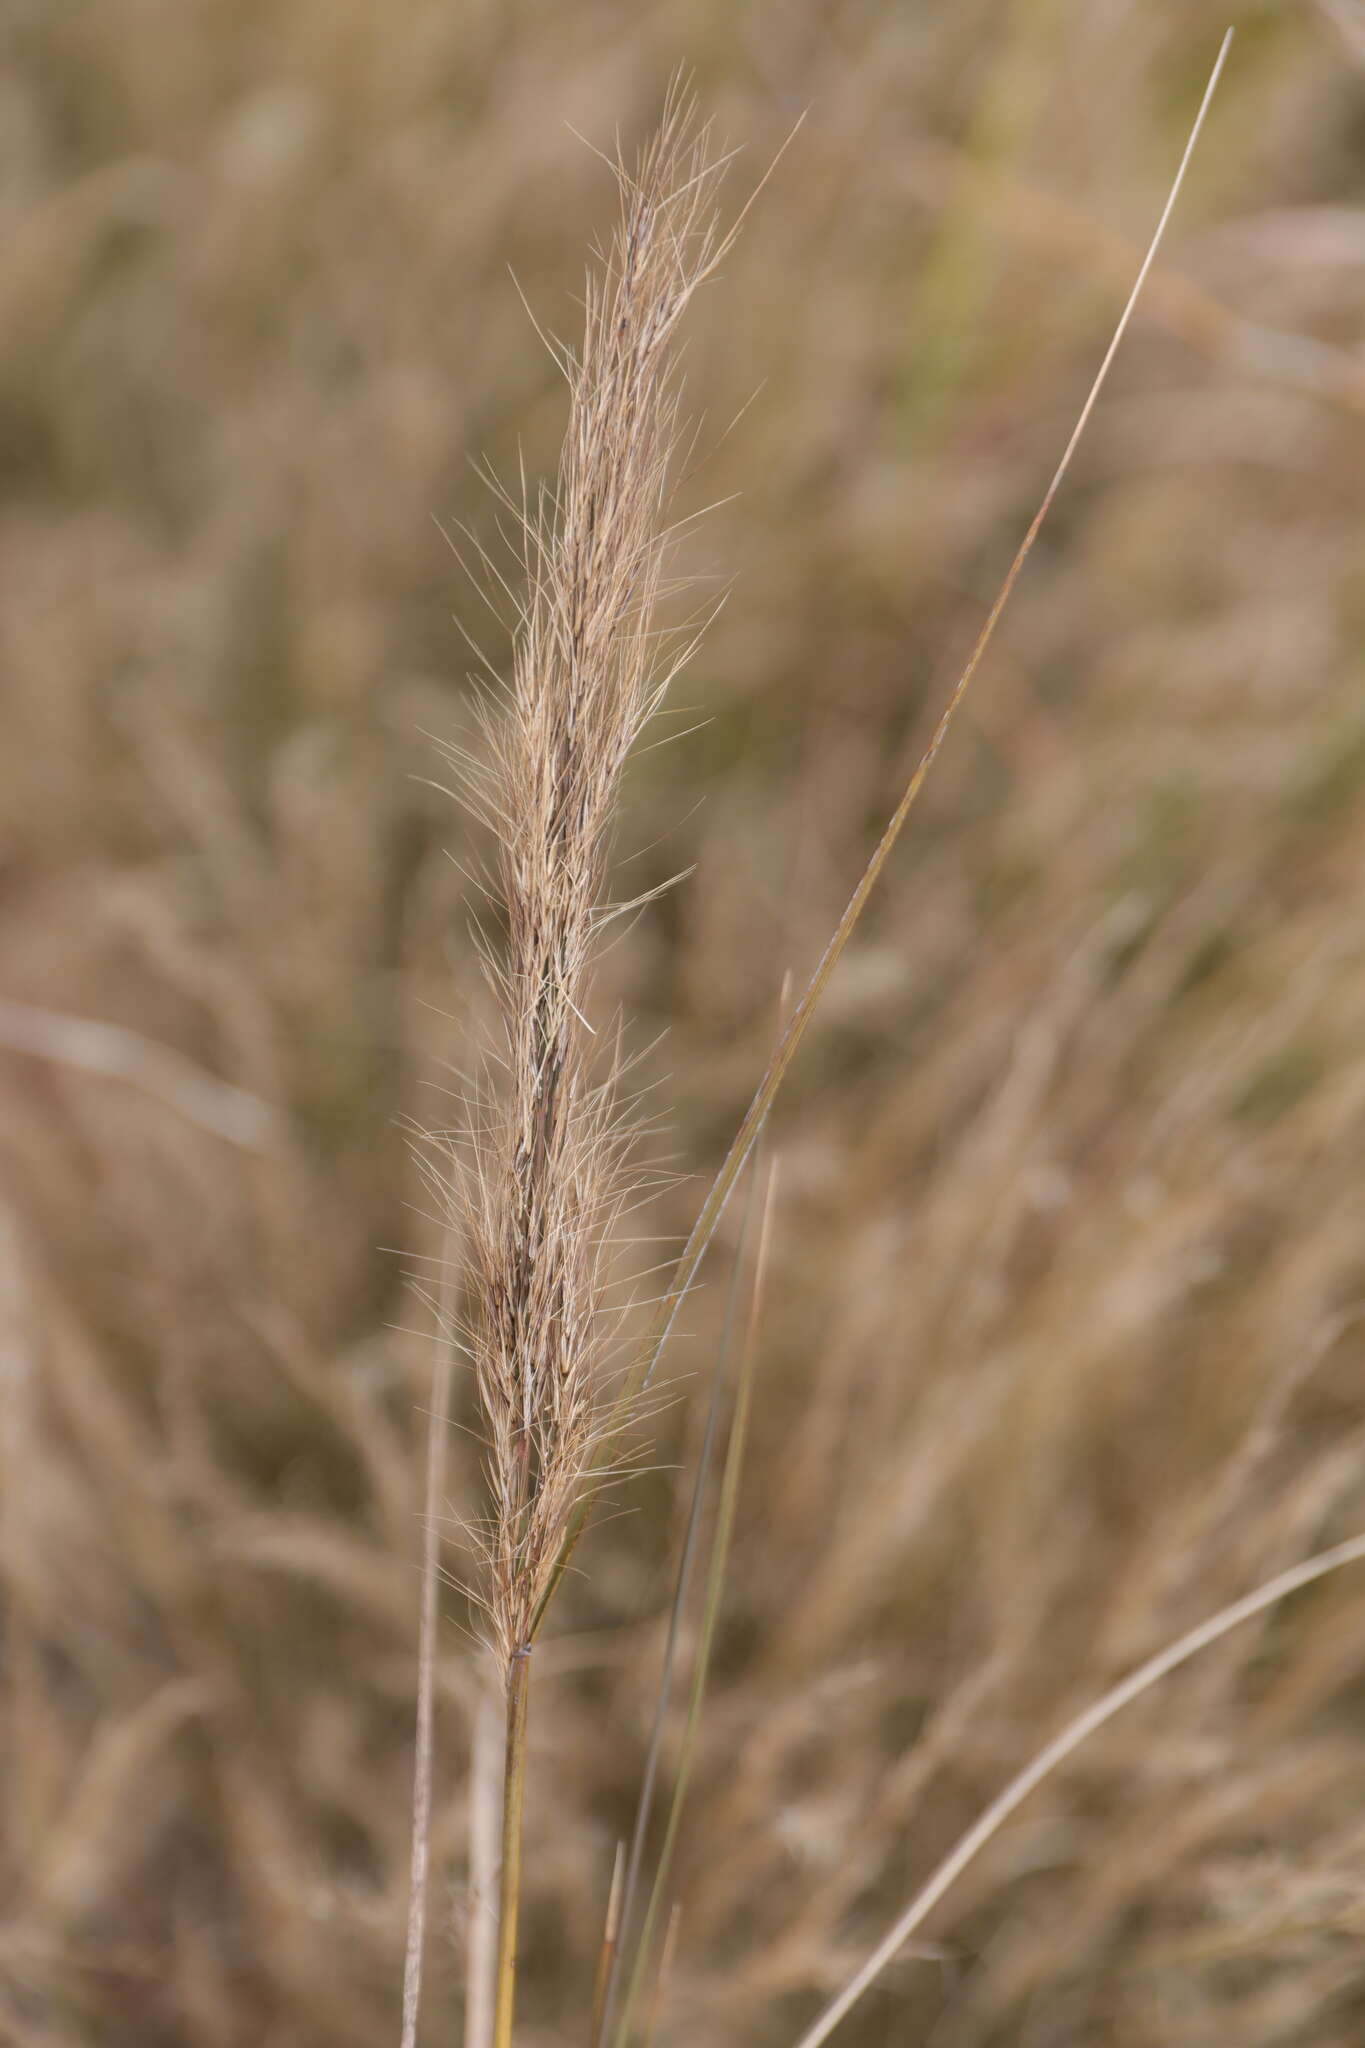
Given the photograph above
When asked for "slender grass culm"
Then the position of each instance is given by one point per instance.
(546, 1167)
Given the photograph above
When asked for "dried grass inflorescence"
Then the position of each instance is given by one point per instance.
(549, 1162)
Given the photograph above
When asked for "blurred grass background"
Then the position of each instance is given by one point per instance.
(1064, 1344)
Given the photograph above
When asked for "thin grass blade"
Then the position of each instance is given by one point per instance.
(660, 1991)
(611, 1935)
(681, 1588)
(1057, 1752)
(715, 1587)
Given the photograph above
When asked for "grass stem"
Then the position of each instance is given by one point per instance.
(509, 1882)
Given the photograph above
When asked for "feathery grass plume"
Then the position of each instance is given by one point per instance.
(549, 1155)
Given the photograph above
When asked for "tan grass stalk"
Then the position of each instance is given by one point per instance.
(690, 1549)
(485, 1828)
(509, 1882)
(548, 1161)
(661, 1981)
(428, 1621)
(715, 1587)
(606, 1960)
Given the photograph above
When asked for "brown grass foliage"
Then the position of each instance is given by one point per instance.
(1062, 1344)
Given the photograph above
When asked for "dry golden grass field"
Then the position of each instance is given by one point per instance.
(1062, 1346)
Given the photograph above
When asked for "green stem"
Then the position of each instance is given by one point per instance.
(509, 1882)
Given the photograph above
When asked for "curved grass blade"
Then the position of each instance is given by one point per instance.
(1057, 1751)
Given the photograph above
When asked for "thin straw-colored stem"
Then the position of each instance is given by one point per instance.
(428, 1624)
(485, 1827)
(681, 1587)
(1058, 1750)
(656, 1998)
(606, 1961)
(509, 1881)
(723, 1186)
